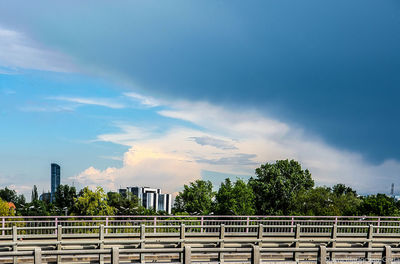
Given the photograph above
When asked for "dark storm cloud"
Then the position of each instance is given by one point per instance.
(331, 67)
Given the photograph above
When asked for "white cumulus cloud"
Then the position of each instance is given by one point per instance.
(232, 142)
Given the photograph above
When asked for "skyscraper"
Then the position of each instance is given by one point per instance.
(55, 179)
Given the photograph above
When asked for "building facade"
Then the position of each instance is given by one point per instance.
(150, 198)
(55, 180)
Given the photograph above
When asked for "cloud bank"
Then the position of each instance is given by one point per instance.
(232, 142)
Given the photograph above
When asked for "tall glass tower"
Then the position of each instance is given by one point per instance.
(55, 180)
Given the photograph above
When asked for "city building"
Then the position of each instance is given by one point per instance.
(150, 198)
(55, 180)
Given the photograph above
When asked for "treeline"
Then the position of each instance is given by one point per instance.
(70, 202)
(281, 188)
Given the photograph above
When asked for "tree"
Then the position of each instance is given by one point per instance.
(234, 199)
(6, 208)
(341, 189)
(345, 199)
(379, 204)
(64, 198)
(277, 185)
(92, 203)
(9, 195)
(128, 205)
(36, 208)
(339, 200)
(196, 198)
(316, 201)
(35, 195)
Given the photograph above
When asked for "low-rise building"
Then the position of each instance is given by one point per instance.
(150, 198)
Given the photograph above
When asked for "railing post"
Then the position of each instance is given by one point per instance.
(369, 243)
(247, 223)
(3, 224)
(107, 224)
(115, 255)
(321, 259)
(59, 239)
(187, 255)
(155, 223)
(101, 243)
(379, 224)
(56, 224)
(333, 237)
(202, 223)
(15, 242)
(292, 224)
(255, 255)
(142, 243)
(221, 242)
(38, 256)
(260, 234)
(297, 243)
(387, 255)
(182, 237)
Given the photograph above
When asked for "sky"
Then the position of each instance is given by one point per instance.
(161, 93)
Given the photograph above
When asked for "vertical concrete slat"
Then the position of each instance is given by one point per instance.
(115, 255)
(255, 255)
(369, 243)
(260, 234)
(142, 243)
(387, 255)
(221, 242)
(37, 256)
(187, 255)
(333, 236)
(297, 243)
(59, 239)
(321, 259)
(182, 244)
(15, 241)
(101, 243)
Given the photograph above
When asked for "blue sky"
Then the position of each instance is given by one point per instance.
(202, 89)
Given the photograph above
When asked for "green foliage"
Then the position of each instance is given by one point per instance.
(345, 199)
(379, 204)
(128, 205)
(64, 198)
(11, 196)
(5, 209)
(341, 189)
(92, 203)
(315, 201)
(196, 198)
(277, 185)
(37, 208)
(234, 199)
(339, 200)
